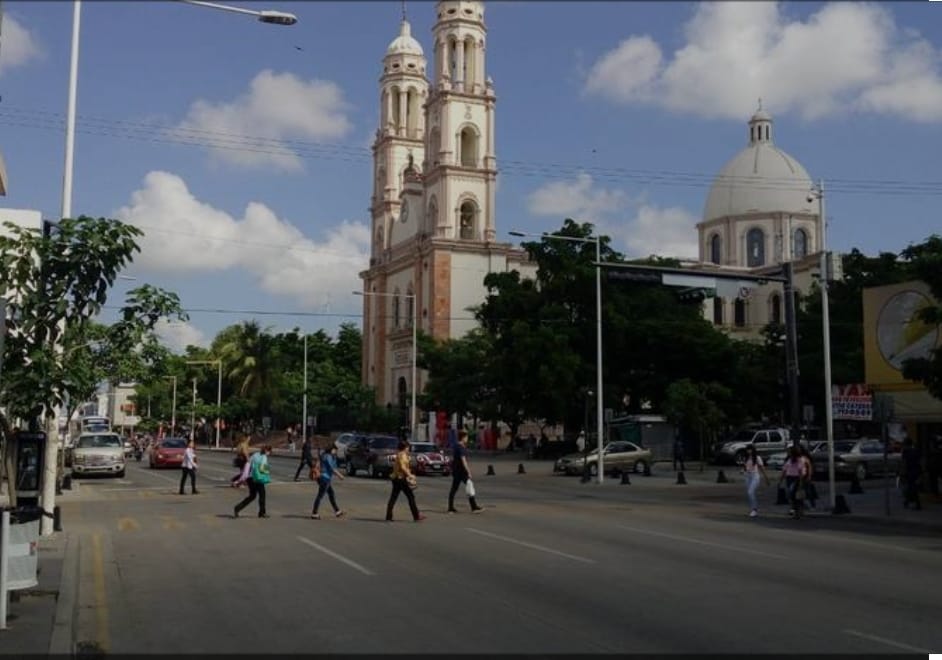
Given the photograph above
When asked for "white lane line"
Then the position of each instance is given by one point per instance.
(532, 546)
(888, 642)
(338, 557)
(699, 542)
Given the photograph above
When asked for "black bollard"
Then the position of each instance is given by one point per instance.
(56, 519)
(721, 478)
(625, 479)
(681, 479)
(520, 469)
(855, 488)
(840, 505)
(490, 470)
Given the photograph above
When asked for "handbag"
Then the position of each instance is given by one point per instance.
(413, 482)
(469, 488)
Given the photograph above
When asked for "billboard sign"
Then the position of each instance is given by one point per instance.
(852, 402)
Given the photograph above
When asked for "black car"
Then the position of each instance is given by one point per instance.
(373, 454)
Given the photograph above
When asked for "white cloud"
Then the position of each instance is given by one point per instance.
(580, 200)
(183, 234)
(177, 335)
(18, 45)
(844, 56)
(637, 228)
(277, 108)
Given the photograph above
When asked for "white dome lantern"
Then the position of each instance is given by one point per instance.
(759, 179)
(405, 43)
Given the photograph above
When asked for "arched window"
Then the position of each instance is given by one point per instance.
(412, 111)
(469, 147)
(396, 310)
(800, 244)
(716, 246)
(739, 315)
(755, 248)
(410, 307)
(434, 145)
(775, 311)
(466, 220)
(395, 106)
(718, 311)
(470, 59)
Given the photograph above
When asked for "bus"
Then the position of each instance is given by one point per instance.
(95, 424)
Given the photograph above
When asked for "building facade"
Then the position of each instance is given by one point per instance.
(433, 209)
(759, 214)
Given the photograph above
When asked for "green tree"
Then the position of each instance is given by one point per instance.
(697, 407)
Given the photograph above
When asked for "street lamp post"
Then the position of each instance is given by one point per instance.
(173, 407)
(414, 320)
(600, 421)
(265, 16)
(817, 192)
(218, 363)
(193, 414)
(304, 397)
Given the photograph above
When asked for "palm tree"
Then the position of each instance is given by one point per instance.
(247, 351)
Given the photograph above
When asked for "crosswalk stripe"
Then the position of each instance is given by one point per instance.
(128, 525)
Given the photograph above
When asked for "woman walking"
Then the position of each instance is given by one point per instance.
(461, 474)
(793, 473)
(256, 474)
(403, 481)
(754, 469)
(328, 468)
(240, 460)
(189, 468)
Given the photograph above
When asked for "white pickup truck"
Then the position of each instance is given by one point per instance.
(766, 441)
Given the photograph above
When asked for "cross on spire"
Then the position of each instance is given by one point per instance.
(403, 9)
(760, 98)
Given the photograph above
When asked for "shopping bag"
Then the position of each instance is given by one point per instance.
(469, 488)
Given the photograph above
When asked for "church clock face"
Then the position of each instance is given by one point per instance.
(404, 212)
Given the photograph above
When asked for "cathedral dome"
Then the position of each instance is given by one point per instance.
(405, 43)
(759, 179)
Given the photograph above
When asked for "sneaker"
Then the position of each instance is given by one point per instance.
(315, 516)
(477, 509)
(753, 513)
(235, 513)
(420, 518)
(263, 515)
(339, 514)
(452, 510)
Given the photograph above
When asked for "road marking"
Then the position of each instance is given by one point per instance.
(338, 557)
(128, 525)
(170, 523)
(101, 611)
(699, 542)
(889, 642)
(532, 546)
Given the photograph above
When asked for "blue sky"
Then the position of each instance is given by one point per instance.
(592, 99)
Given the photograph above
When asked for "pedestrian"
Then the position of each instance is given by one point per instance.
(910, 462)
(256, 474)
(793, 472)
(307, 457)
(811, 492)
(403, 481)
(754, 469)
(461, 474)
(580, 442)
(240, 461)
(328, 468)
(679, 454)
(189, 468)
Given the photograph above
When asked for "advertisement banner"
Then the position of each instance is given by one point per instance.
(852, 402)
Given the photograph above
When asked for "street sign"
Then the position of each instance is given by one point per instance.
(633, 276)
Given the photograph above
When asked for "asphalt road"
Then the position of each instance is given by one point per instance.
(552, 566)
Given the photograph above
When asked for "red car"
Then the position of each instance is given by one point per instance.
(168, 453)
(427, 459)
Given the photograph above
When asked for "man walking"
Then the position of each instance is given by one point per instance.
(307, 457)
(461, 474)
(189, 468)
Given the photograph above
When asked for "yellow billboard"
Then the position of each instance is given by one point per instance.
(893, 334)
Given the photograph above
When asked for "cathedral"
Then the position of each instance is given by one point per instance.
(433, 214)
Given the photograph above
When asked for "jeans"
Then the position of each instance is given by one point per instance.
(325, 486)
(305, 460)
(256, 489)
(458, 478)
(752, 484)
(401, 486)
(192, 474)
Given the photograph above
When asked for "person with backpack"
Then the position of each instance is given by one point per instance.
(256, 474)
(324, 471)
(307, 457)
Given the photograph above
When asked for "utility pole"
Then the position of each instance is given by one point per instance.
(791, 351)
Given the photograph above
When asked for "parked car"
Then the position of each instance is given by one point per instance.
(427, 458)
(618, 457)
(766, 441)
(373, 454)
(98, 453)
(776, 461)
(342, 442)
(861, 457)
(168, 453)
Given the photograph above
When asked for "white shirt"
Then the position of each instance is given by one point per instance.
(189, 459)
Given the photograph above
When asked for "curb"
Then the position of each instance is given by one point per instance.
(61, 642)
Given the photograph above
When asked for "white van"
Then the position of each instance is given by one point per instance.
(98, 453)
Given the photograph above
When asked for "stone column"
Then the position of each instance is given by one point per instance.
(459, 66)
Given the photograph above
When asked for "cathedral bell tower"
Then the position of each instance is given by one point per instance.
(460, 165)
